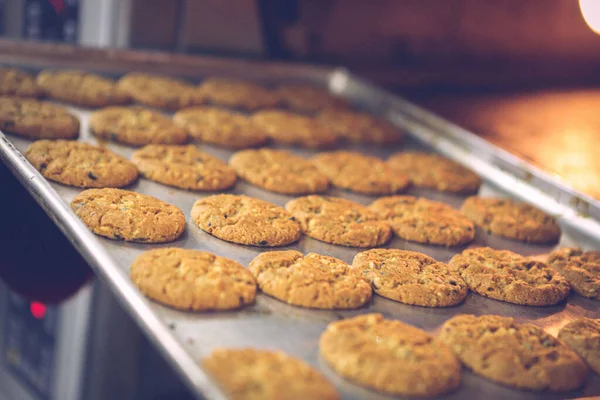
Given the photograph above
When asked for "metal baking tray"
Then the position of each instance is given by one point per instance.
(186, 337)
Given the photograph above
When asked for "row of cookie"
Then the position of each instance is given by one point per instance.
(394, 357)
(138, 126)
(86, 89)
(189, 279)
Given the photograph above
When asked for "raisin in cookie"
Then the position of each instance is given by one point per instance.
(507, 276)
(517, 355)
(410, 277)
(425, 221)
(580, 268)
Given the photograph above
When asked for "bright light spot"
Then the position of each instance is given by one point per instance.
(38, 310)
(590, 9)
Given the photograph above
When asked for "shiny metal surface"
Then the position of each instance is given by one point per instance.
(188, 337)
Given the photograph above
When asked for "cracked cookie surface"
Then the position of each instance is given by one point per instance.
(580, 268)
(360, 127)
(583, 335)
(279, 171)
(339, 221)
(507, 276)
(160, 91)
(433, 171)
(184, 167)
(249, 374)
(124, 215)
(80, 164)
(410, 277)
(511, 219)
(390, 356)
(313, 281)
(237, 94)
(308, 98)
(135, 126)
(360, 173)
(37, 119)
(517, 355)
(245, 220)
(81, 88)
(425, 221)
(14, 82)
(193, 280)
(295, 130)
(221, 127)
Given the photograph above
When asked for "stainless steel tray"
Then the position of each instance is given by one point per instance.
(185, 338)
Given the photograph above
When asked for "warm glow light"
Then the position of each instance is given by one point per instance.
(590, 9)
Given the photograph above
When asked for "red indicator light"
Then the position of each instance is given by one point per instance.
(38, 310)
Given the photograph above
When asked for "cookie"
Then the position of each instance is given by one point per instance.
(81, 88)
(184, 167)
(360, 173)
(160, 91)
(425, 221)
(248, 374)
(279, 171)
(245, 220)
(580, 268)
(80, 164)
(513, 220)
(237, 94)
(36, 119)
(135, 126)
(390, 356)
(507, 276)
(307, 98)
(123, 215)
(583, 335)
(17, 83)
(312, 281)
(410, 277)
(339, 221)
(432, 171)
(221, 127)
(192, 280)
(360, 127)
(295, 130)
(516, 355)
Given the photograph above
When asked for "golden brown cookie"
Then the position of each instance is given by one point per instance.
(245, 220)
(184, 167)
(583, 335)
(160, 91)
(279, 171)
(37, 119)
(17, 83)
(123, 215)
(517, 355)
(390, 356)
(425, 221)
(513, 220)
(237, 94)
(295, 130)
(433, 171)
(135, 126)
(410, 277)
(313, 281)
(193, 280)
(80, 164)
(507, 276)
(360, 127)
(221, 127)
(308, 98)
(248, 374)
(360, 173)
(81, 88)
(339, 221)
(580, 268)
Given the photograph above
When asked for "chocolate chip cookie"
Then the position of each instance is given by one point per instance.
(583, 335)
(360, 127)
(307, 98)
(160, 91)
(580, 268)
(18, 83)
(237, 94)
